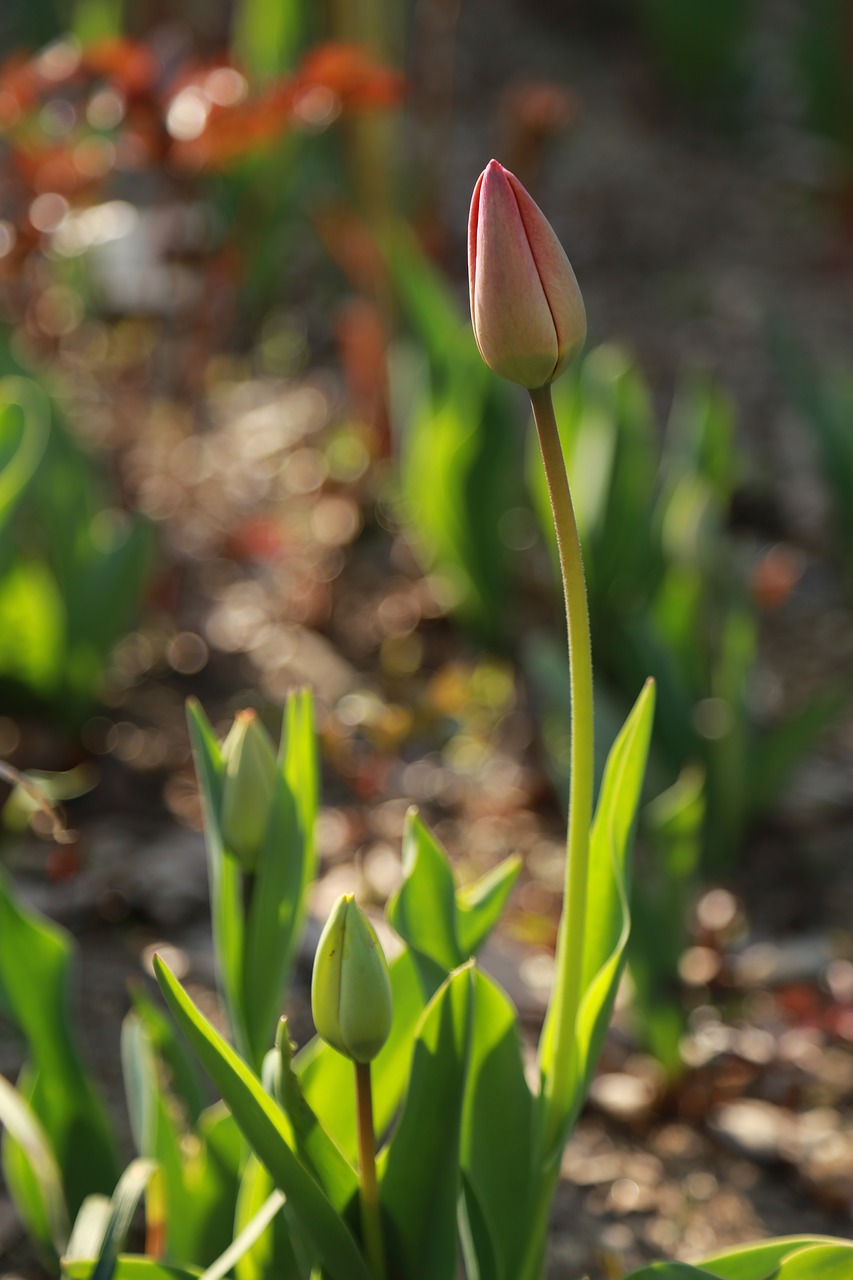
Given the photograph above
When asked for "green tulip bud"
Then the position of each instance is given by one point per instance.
(249, 787)
(350, 987)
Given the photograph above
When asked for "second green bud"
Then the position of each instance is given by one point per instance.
(350, 987)
(248, 787)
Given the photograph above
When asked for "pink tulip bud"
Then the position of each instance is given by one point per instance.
(526, 307)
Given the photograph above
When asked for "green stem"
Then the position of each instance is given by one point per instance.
(562, 1015)
(371, 1222)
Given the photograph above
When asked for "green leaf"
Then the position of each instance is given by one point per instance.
(129, 1267)
(497, 1127)
(285, 870)
(316, 1149)
(480, 905)
(138, 1175)
(268, 1132)
(419, 1171)
(35, 980)
(90, 1227)
(607, 925)
(247, 1237)
(165, 1042)
(423, 911)
(44, 1211)
(769, 1259)
(157, 1134)
(270, 1256)
(224, 874)
(30, 438)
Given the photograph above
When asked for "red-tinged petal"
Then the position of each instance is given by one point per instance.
(526, 308)
(512, 318)
(558, 279)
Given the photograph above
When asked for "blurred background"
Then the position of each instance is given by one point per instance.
(247, 443)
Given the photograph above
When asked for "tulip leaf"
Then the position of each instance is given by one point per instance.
(90, 1227)
(497, 1125)
(129, 1267)
(36, 970)
(759, 1261)
(270, 928)
(607, 927)
(419, 1172)
(314, 1145)
(268, 1132)
(246, 1237)
(271, 1252)
(224, 873)
(168, 1046)
(436, 919)
(285, 870)
(139, 1175)
(480, 905)
(30, 436)
(423, 911)
(43, 1209)
(156, 1133)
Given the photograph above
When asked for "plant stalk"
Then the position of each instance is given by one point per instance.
(371, 1221)
(570, 944)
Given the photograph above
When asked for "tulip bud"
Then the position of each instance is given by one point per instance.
(350, 987)
(248, 789)
(526, 307)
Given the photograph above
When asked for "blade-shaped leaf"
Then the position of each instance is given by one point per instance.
(226, 890)
(246, 1237)
(497, 1127)
(271, 1253)
(268, 1132)
(129, 1267)
(763, 1260)
(36, 964)
(607, 926)
(285, 870)
(90, 1227)
(31, 440)
(419, 1175)
(44, 1212)
(423, 911)
(131, 1186)
(480, 905)
(316, 1148)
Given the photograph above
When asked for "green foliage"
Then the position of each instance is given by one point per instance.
(72, 568)
(794, 1258)
(458, 443)
(36, 975)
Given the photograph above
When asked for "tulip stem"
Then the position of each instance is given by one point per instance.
(371, 1221)
(560, 1027)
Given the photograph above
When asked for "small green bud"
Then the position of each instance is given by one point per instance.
(247, 793)
(350, 987)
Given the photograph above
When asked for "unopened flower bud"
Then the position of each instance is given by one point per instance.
(248, 789)
(350, 987)
(526, 307)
